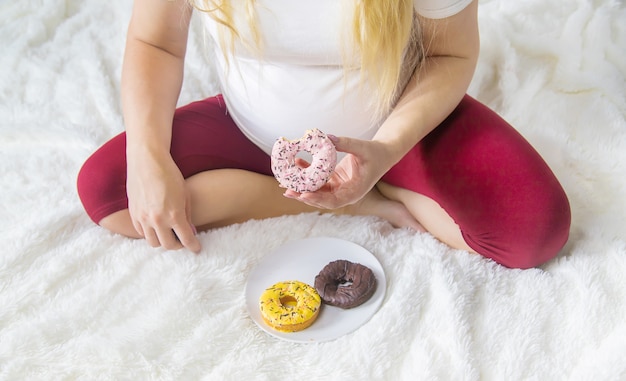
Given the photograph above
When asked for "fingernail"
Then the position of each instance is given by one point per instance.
(333, 138)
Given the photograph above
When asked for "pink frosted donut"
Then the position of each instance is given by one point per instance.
(311, 178)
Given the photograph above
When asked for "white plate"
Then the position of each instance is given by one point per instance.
(302, 260)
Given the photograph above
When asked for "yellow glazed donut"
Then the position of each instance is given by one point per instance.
(290, 306)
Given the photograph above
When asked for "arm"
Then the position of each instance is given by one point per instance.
(152, 72)
(152, 77)
(452, 46)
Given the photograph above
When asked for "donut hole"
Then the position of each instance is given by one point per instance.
(288, 301)
(303, 159)
(344, 283)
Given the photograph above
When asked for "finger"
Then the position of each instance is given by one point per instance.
(309, 198)
(352, 146)
(342, 144)
(168, 239)
(138, 228)
(291, 194)
(320, 200)
(302, 163)
(151, 237)
(186, 236)
(191, 242)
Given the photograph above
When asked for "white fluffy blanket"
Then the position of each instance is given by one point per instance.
(77, 302)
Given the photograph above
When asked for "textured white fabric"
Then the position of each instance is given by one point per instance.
(79, 303)
(297, 81)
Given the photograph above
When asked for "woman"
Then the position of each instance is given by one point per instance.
(385, 78)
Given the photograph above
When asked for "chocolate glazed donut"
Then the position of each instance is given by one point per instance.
(330, 283)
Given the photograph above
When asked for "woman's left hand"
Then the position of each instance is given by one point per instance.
(354, 176)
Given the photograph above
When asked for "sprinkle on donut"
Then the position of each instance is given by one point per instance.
(290, 306)
(299, 179)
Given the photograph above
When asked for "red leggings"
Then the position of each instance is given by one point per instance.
(507, 202)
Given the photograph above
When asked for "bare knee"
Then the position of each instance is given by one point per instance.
(120, 223)
(429, 214)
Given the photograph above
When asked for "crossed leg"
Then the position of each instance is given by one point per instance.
(474, 183)
(227, 196)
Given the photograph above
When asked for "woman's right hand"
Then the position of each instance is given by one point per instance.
(158, 202)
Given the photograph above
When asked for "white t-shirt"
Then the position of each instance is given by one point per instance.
(299, 81)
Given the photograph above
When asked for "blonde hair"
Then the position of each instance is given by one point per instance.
(386, 36)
